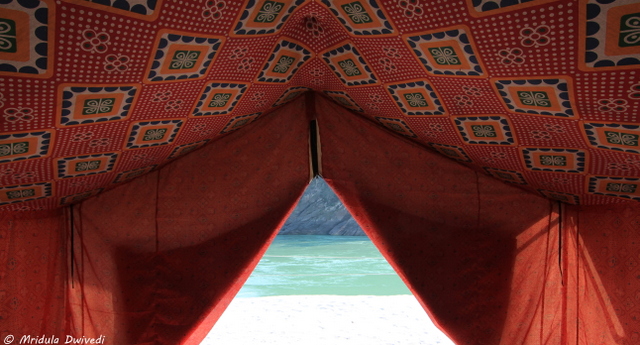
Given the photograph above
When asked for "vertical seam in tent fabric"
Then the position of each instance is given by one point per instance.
(72, 253)
(564, 332)
(478, 200)
(156, 215)
(578, 254)
(560, 206)
(81, 273)
(546, 267)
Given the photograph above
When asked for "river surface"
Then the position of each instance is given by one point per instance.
(323, 265)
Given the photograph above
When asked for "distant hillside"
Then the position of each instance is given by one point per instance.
(320, 212)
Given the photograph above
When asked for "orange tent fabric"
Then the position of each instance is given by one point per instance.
(175, 247)
(150, 150)
(156, 262)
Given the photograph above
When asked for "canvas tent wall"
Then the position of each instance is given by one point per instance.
(151, 150)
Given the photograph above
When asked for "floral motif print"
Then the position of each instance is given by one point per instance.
(23, 175)
(79, 137)
(257, 96)
(98, 106)
(269, 12)
(154, 134)
(391, 52)
(553, 128)
(95, 42)
(499, 155)
(535, 37)
(220, 100)
(85, 166)
(472, 91)
(463, 100)
(388, 64)
(534, 98)
(213, 9)
(511, 56)
(612, 105)
(622, 138)
(483, 131)
(20, 114)
(550, 160)
(161, 96)
(99, 142)
(184, 59)
(173, 104)
(239, 53)
(619, 166)
(411, 8)
(630, 30)
(283, 65)
(116, 63)
(357, 13)
(541, 135)
(313, 26)
(349, 68)
(245, 64)
(445, 56)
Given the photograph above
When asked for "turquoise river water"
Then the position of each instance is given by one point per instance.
(323, 265)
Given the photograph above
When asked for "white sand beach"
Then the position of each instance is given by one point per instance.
(324, 320)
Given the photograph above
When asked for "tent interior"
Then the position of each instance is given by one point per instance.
(151, 149)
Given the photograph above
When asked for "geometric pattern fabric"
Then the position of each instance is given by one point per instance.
(541, 94)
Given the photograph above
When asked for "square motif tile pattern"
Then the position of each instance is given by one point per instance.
(417, 98)
(285, 60)
(613, 136)
(143, 134)
(26, 32)
(86, 165)
(361, 17)
(621, 187)
(86, 105)
(25, 192)
(485, 130)
(554, 159)
(182, 56)
(349, 66)
(547, 97)
(448, 52)
(264, 17)
(27, 145)
(219, 98)
(609, 33)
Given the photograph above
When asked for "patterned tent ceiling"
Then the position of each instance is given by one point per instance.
(541, 94)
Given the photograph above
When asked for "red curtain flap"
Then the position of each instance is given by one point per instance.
(602, 262)
(33, 273)
(159, 259)
(480, 255)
